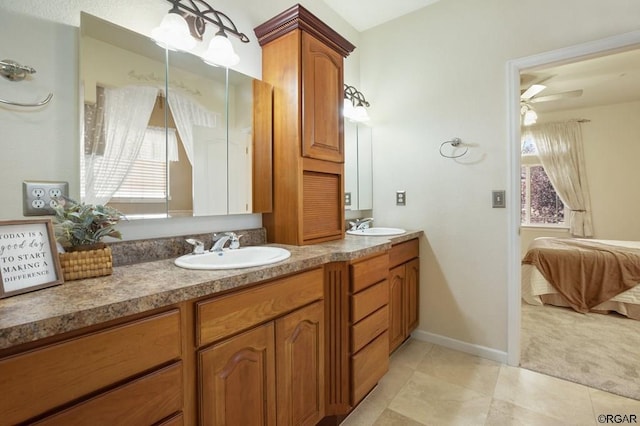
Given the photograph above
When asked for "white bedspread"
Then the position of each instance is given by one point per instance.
(534, 284)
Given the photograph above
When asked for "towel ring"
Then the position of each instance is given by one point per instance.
(14, 71)
(33, 105)
(455, 142)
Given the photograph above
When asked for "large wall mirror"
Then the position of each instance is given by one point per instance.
(358, 166)
(165, 135)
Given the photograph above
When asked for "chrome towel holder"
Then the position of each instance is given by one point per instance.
(455, 142)
(14, 71)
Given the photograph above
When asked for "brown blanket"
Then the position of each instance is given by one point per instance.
(586, 273)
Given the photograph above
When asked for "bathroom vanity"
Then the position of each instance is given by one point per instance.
(289, 343)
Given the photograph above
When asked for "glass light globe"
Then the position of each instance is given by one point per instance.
(360, 114)
(220, 52)
(347, 109)
(530, 117)
(173, 33)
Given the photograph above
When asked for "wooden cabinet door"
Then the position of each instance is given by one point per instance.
(300, 366)
(412, 295)
(322, 98)
(396, 306)
(237, 380)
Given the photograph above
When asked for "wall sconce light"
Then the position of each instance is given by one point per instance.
(354, 105)
(528, 115)
(185, 24)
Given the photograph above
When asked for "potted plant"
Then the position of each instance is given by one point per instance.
(80, 228)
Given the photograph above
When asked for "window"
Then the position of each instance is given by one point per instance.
(540, 205)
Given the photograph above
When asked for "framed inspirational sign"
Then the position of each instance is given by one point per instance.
(28, 256)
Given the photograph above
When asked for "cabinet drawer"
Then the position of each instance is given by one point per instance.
(368, 272)
(369, 328)
(369, 300)
(403, 252)
(368, 366)
(42, 379)
(144, 401)
(227, 315)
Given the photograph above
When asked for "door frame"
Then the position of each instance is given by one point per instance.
(575, 53)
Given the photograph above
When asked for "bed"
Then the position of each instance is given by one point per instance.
(587, 275)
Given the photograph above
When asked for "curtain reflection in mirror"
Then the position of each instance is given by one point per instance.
(126, 116)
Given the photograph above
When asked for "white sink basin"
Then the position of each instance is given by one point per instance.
(244, 257)
(377, 232)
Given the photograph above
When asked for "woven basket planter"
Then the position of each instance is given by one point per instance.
(92, 261)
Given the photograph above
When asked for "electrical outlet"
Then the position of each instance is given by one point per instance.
(38, 192)
(38, 204)
(401, 198)
(39, 198)
(55, 193)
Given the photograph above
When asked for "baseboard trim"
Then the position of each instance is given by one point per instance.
(458, 345)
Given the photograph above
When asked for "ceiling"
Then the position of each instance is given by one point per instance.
(604, 80)
(365, 14)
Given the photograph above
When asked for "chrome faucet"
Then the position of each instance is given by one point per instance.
(198, 246)
(363, 223)
(219, 241)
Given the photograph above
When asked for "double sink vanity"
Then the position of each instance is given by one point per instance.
(158, 344)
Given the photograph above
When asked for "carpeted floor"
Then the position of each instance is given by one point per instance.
(601, 351)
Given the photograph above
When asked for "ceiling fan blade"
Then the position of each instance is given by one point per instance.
(533, 90)
(527, 80)
(557, 96)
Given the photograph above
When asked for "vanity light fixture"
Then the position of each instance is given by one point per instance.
(185, 24)
(354, 105)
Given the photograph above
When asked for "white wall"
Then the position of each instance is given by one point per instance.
(440, 73)
(44, 144)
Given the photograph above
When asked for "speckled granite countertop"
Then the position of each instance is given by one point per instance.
(137, 288)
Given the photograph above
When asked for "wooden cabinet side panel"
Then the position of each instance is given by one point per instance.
(281, 68)
(56, 374)
(300, 366)
(262, 147)
(323, 95)
(337, 364)
(237, 380)
(144, 401)
(396, 307)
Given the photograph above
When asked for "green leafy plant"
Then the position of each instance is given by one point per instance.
(78, 224)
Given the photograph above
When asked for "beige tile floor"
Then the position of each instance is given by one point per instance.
(432, 385)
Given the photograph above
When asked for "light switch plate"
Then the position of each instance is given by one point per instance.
(498, 199)
(39, 197)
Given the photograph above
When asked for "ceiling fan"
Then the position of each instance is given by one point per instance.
(530, 87)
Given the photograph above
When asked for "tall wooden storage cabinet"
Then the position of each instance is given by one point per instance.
(303, 59)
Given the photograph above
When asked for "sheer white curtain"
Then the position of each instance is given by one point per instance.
(561, 153)
(187, 114)
(126, 116)
(159, 145)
